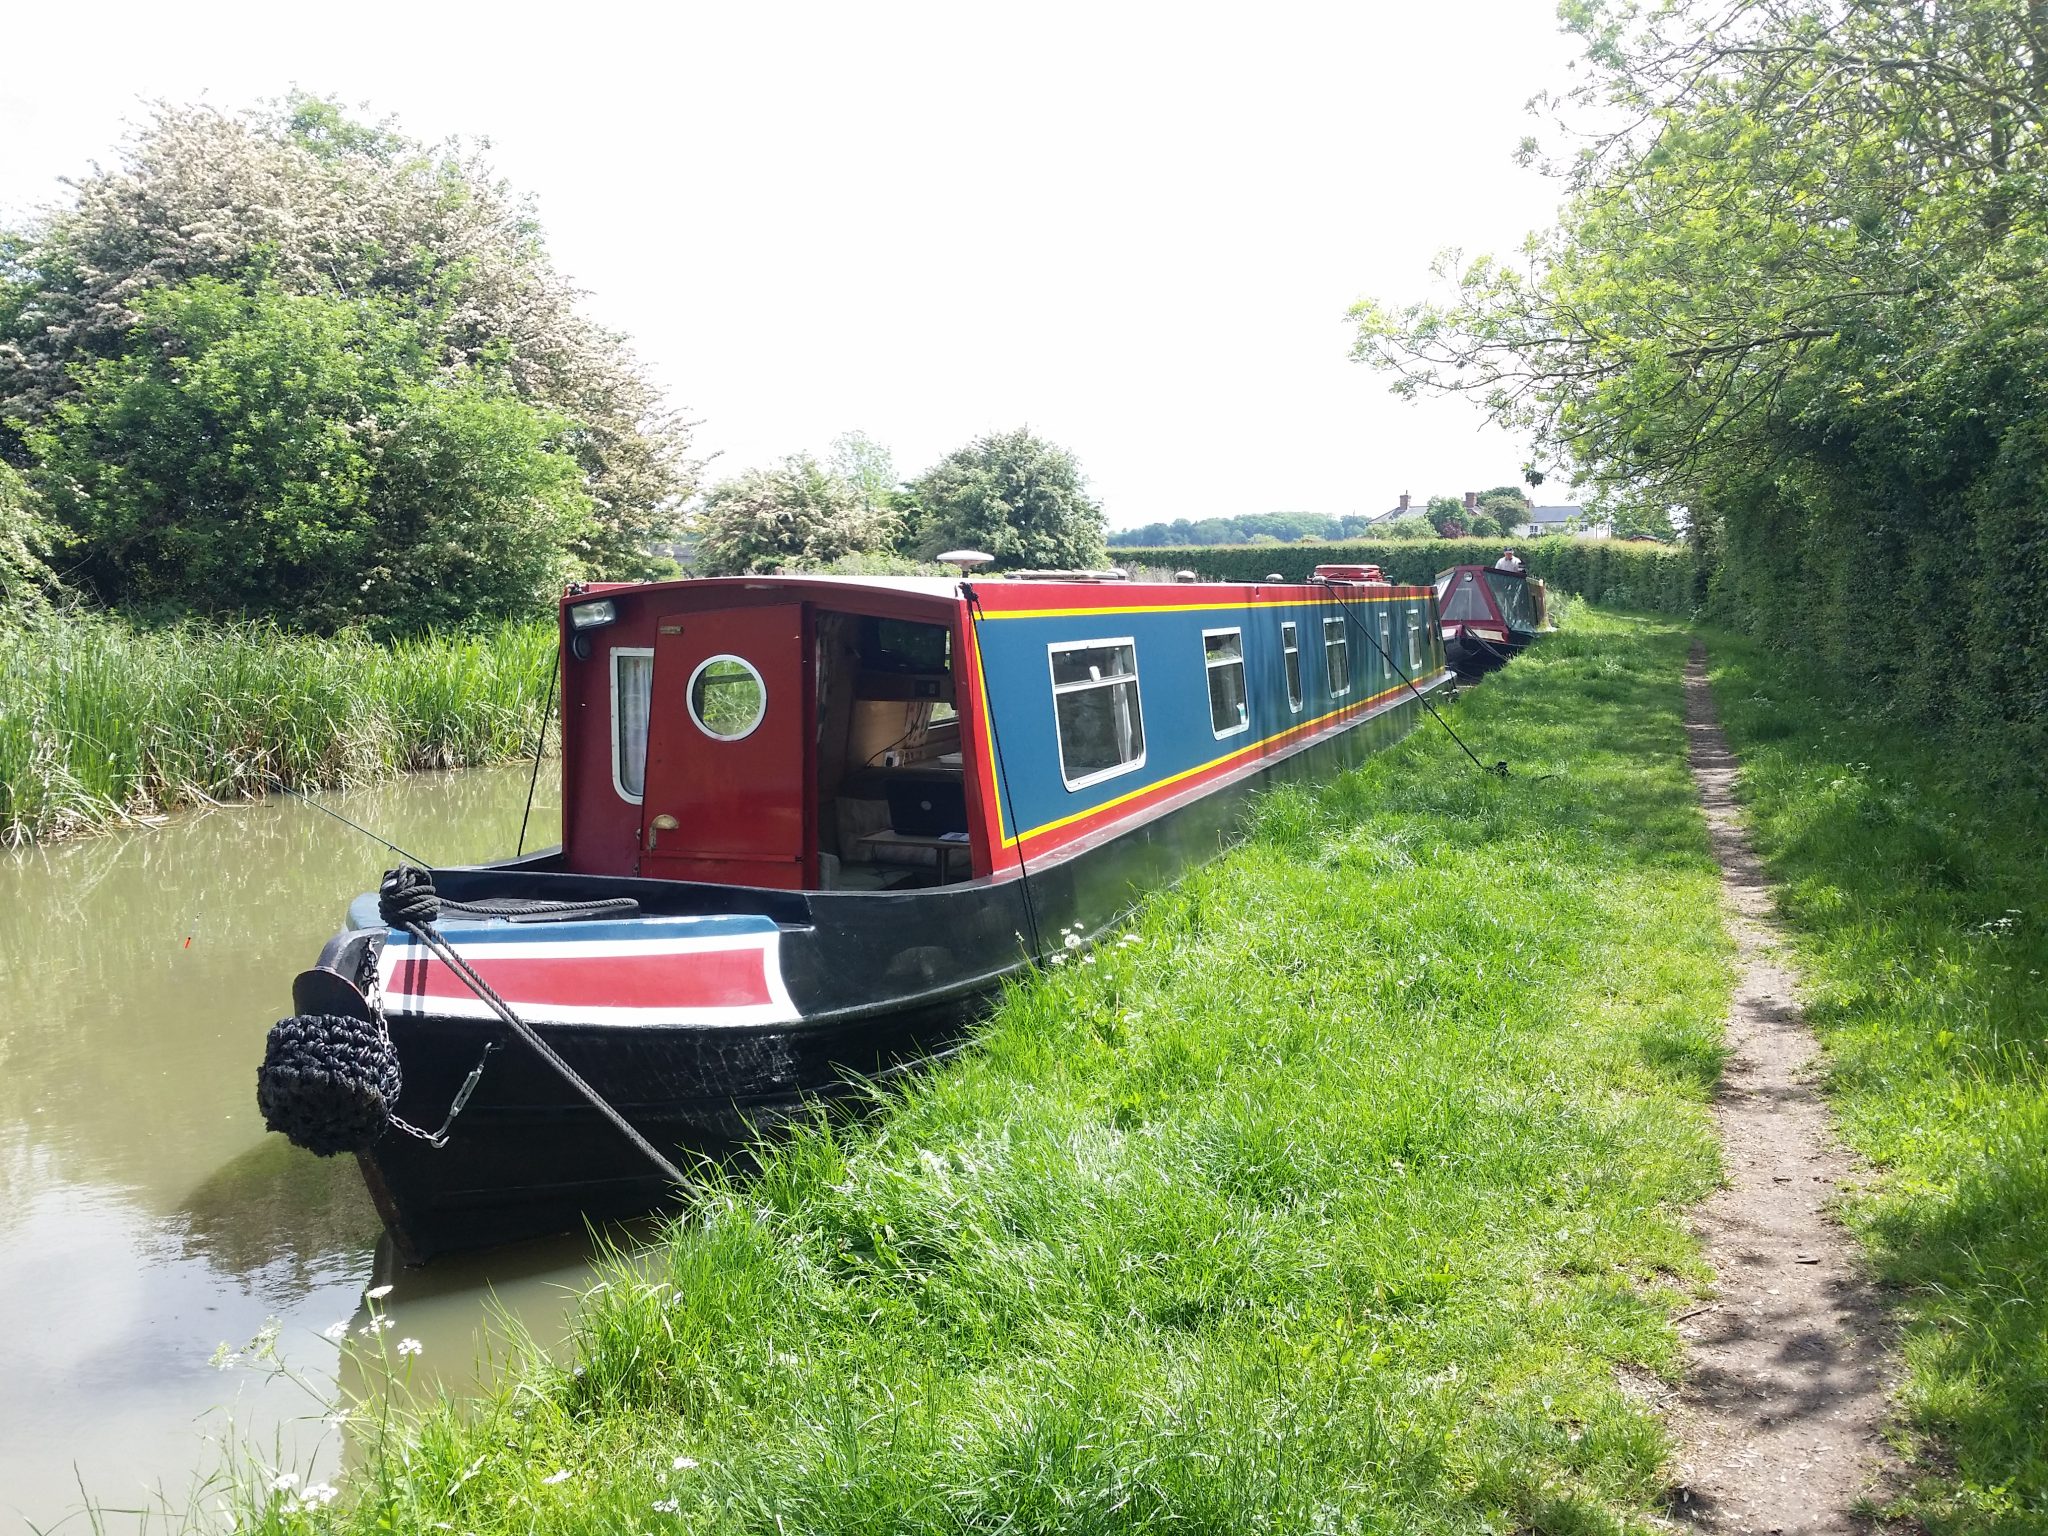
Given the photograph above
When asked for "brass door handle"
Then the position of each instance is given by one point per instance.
(660, 824)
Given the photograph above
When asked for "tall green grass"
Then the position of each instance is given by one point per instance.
(1342, 1193)
(101, 722)
(1911, 869)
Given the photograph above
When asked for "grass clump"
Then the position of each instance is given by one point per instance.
(1338, 1194)
(1910, 869)
(101, 722)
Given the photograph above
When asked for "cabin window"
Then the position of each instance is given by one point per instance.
(1464, 600)
(1387, 637)
(632, 689)
(726, 697)
(1223, 654)
(1414, 640)
(1337, 656)
(1290, 649)
(1097, 714)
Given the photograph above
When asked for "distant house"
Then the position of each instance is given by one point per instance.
(1394, 512)
(1564, 519)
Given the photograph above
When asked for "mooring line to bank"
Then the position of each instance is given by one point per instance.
(328, 810)
(1499, 770)
(1780, 1416)
(540, 746)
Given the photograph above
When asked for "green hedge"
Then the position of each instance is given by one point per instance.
(1655, 578)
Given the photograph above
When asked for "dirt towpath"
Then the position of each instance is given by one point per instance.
(1789, 1367)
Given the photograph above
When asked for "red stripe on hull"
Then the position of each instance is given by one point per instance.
(709, 978)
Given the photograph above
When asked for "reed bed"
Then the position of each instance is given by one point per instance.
(103, 724)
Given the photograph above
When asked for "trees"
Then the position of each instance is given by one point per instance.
(1012, 495)
(1446, 514)
(306, 455)
(1507, 507)
(867, 466)
(1797, 291)
(301, 205)
(798, 514)
(25, 581)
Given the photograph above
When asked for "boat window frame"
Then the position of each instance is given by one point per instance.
(1386, 618)
(637, 652)
(1343, 640)
(690, 698)
(1131, 765)
(1290, 663)
(1414, 638)
(1244, 692)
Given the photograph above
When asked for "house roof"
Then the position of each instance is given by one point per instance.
(1563, 514)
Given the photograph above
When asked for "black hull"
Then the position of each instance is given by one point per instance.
(883, 981)
(1472, 658)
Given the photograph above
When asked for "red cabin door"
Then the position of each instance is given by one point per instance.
(724, 800)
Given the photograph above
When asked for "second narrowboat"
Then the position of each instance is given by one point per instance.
(810, 825)
(1488, 612)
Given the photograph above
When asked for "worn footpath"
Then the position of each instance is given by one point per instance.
(1779, 1421)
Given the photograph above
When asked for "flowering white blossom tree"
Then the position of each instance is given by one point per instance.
(303, 201)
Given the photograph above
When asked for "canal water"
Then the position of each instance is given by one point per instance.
(150, 1228)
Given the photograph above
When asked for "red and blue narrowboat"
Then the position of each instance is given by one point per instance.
(810, 824)
(1489, 612)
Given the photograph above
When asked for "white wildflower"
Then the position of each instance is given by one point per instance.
(377, 1292)
(408, 1346)
(1072, 941)
(284, 1482)
(556, 1477)
(666, 1506)
(319, 1496)
(683, 1463)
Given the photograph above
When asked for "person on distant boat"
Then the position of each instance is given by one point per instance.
(1510, 561)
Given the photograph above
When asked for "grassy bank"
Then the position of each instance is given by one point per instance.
(1343, 1194)
(101, 723)
(1919, 894)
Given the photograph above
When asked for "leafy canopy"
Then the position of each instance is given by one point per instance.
(302, 210)
(271, 452)
(1012, 495)
(798, 514)
(1795, 289)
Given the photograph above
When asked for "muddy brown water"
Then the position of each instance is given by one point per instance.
(149, 1226)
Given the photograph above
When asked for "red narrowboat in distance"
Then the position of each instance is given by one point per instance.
(810, 824)
(1489, 613)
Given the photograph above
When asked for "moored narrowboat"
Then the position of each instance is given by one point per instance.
(1489, 612)
(809, 825)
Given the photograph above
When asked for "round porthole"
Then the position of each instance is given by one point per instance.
(727, 697)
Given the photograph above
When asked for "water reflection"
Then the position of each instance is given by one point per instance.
(146, 1217)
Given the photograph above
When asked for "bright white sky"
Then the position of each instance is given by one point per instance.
(1135, 228)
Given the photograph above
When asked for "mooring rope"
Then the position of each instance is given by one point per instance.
(1498, 770)
(539, 747)
(974, 614)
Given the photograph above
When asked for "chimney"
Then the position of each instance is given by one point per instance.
(1471, 502)
(1404, 501)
